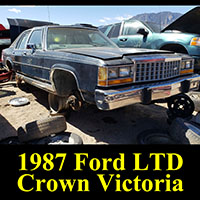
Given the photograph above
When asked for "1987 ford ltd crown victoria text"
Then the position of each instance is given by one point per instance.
(79, 63)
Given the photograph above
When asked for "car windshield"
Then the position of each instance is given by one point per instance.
(67, 37)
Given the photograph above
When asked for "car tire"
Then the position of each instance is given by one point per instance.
(195, 97)
(41, 128)
(185, 131)
(154, 136)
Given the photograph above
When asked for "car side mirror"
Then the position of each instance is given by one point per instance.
(143, 31)
(31, 46)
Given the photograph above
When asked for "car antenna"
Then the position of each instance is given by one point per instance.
(48, 10)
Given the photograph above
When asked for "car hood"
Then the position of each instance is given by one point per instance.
(189, 22)
(111, 53)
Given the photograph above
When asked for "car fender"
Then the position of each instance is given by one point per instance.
(173, 44)
(9, 63)
(69, 79)
(164, 39)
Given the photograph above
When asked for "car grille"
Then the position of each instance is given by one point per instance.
(159, 70)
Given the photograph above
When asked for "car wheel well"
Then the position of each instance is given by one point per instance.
(9, 65)
(175, 47)
(64, 82)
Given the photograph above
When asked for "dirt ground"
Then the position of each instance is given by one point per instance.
(120, 126)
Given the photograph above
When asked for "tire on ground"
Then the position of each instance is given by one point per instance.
(41, 128)
(185, 132)
(154, 136)
(195, 96)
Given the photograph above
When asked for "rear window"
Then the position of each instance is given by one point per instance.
(21, 43)
(114, 32)
(105, 29)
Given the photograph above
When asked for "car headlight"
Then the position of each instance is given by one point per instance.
(112, 73)
(124, 71)
(110, 76)
(187, 66)
(195, 41)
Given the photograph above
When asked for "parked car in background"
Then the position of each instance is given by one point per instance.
(78, 64)
(4, 40)
(182, 36)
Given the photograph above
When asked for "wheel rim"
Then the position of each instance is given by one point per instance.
(57, 104)
(181, 106)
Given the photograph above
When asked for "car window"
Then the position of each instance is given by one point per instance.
(114, 32)
(105, 29)
(36, 38)
(131, 28)
(21, 44)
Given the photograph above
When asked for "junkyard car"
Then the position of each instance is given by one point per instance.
(182, 36)
(79, 63)
(4, 40)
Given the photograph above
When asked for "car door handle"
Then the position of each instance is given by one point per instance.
(123, 39)
(24, 53)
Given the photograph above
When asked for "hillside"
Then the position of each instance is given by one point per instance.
(162, 18)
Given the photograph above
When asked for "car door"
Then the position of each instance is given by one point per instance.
(131, 38)
(19, 52)
(35, 56)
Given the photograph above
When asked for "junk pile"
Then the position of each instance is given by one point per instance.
(51, 131)
(184, 127)
(5, 75)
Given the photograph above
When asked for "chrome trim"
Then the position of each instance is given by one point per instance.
(63, 69)
(44, 86)
(35, 66)
(116, 98)
(156, 69)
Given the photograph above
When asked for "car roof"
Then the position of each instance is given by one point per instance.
(82, 26)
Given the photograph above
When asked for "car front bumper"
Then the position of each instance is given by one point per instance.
(116, 98)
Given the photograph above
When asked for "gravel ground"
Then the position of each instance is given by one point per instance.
(120, 126)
